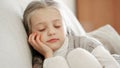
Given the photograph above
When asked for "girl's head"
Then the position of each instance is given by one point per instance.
(44, 18)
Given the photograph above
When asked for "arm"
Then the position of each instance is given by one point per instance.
(103, 56)
(55, 62)
(50, 61)
(39, 46)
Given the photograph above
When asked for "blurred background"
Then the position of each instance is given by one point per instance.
(93, 14)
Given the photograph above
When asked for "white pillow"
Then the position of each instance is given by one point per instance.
(14, 50)
(23, 4)
(109, 37)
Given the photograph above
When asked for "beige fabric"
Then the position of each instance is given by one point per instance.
(109, 38)
(85, 42)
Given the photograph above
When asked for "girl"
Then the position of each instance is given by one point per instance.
(55, 43)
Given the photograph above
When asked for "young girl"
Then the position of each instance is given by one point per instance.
(55, 46)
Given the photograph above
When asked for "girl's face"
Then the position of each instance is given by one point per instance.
(48, 23)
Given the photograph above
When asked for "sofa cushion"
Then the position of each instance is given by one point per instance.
(14, 50)
(109, 37)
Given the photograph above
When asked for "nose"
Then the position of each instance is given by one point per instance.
(51, 32)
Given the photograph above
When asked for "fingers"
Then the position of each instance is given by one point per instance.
(39, 41)
(32, 41)
(38, 45)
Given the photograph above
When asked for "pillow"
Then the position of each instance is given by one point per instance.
(109, 37)
(14, 50)
(23, 4)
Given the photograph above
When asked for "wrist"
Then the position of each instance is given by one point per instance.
(48, 56)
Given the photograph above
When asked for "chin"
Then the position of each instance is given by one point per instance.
(55, 47)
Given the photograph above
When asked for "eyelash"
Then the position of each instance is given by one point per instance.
(41, 30)
(57, 26)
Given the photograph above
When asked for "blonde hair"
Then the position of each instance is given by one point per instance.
(35, 5)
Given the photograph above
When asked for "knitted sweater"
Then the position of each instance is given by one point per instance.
(90, 44)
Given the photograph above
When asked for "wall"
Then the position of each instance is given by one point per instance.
(95, 13)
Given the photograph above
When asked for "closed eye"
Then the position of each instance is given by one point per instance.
(41, 30)
(57, 26)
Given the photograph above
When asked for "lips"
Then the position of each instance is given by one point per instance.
(53, 40)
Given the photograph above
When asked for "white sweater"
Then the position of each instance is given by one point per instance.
(100, 53)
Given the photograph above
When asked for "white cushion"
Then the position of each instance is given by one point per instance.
(109, 37)
(23, 4)
(14, 50)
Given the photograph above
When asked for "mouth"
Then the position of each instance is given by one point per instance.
(53, 40)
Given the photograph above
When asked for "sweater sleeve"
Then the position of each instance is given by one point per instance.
(102, 54)
(55, 62)
(105, 58)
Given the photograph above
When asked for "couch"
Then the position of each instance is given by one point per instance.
(14, 49)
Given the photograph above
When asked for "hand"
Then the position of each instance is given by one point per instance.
(34, 40)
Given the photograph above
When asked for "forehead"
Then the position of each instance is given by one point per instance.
(45, 13)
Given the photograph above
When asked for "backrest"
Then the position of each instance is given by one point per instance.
(14, 50)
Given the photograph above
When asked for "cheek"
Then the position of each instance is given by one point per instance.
(43, 37)
(61, 31)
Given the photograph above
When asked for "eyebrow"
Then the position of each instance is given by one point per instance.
(39, 23)
(56, 20)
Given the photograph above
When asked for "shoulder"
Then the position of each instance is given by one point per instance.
(86, 42)
(84, 38)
